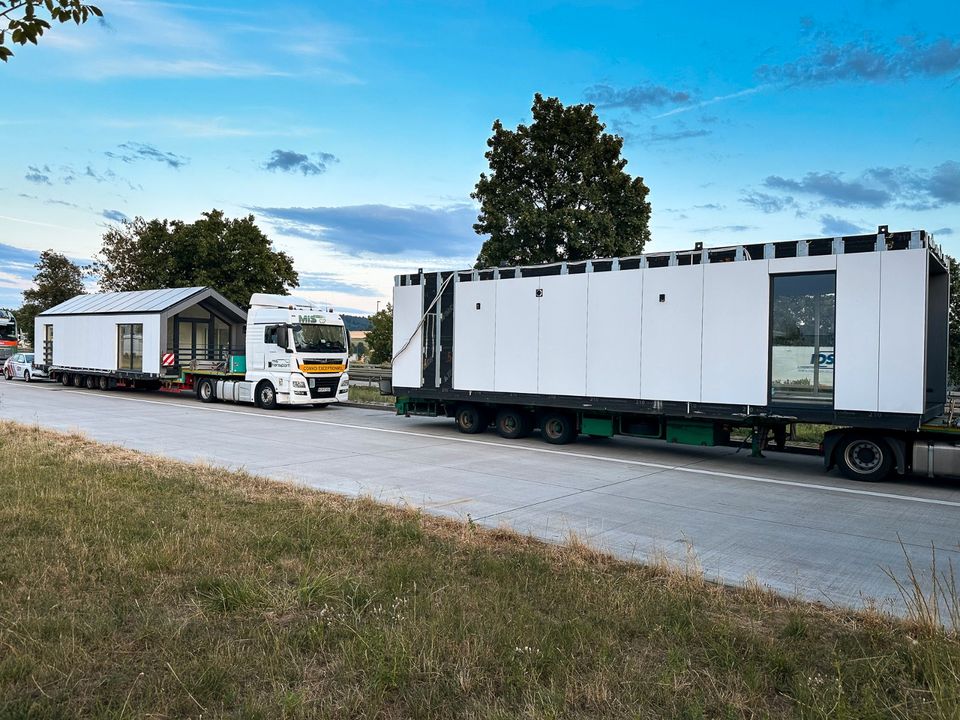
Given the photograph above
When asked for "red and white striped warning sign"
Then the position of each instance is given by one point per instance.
(167, 360)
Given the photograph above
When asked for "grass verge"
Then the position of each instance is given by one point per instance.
(133, 587)
(369, 395)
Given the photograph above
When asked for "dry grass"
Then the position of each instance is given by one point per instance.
(135, 587)
(369, 395)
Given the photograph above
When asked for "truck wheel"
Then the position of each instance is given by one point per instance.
(103, 382)
(26, 376)
(513, 423)
(78, 381)
(865, 458)
(266, 396)
(558, 428)
(470, 419)
(65, 380)
(90, 382)
(206, 391)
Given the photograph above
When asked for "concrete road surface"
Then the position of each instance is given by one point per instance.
(780, 520)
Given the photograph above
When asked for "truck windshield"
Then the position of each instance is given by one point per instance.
(8, 330)
(320, 338)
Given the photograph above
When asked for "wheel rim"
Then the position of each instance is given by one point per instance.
(26, 376)
(510, 423)
(205, 390)
(554, 428)
(466, 420)
(266, 395)
(863, 456)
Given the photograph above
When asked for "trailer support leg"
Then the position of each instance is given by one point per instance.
(756, 440)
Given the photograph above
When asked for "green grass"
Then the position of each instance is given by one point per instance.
(364, 394)
(135, 587)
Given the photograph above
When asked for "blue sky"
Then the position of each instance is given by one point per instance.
(355, 132)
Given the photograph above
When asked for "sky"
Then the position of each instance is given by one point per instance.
(355, 132)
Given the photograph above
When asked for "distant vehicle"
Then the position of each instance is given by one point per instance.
(284, 351)
(8, 334)
(20, 366)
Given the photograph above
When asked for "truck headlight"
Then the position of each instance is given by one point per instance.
(300, 383)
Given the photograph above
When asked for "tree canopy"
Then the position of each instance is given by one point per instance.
(57, 280)
(231, 255)
(24, 23)
(557, 190)
(380, 336)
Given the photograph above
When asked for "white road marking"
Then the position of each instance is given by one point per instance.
(523, 448)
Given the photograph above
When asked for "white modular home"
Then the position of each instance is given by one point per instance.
(139, 335)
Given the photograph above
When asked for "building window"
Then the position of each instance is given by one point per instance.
(130, 344)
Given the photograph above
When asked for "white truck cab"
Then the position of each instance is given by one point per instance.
(297, 353)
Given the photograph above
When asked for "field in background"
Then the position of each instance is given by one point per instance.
(133, 586)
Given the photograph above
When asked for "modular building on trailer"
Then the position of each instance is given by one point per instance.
(286, 351)
(683, 346)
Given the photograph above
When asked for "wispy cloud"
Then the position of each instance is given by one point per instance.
(726, 228)
(114, 216)
(766, 203)
(836, 227)
(329, 282)
(713, 101)
(293, 162)
(865, 61)
(382, 229)
(636, 98)
(133, 152)
(38, 175)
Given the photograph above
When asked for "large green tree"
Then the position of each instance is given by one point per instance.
(57, 280)
(231, 255)
(380, 336)
(24, 21)
(557, 190)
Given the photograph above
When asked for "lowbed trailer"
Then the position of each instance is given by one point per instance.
(686, 346)
(284, 351)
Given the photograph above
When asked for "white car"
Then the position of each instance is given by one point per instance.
(20, 365)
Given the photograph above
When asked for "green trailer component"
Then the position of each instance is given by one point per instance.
(411, 406)
(696, 432)
(597, 426)
(237, 364)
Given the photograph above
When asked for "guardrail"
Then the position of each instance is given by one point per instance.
(370, 374)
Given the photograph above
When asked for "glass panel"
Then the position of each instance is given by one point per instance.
(803, 308)
(136, 347)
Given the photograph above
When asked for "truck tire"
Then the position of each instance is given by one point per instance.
(471, 419)
(103, 383)
(91, 382)
(65, 380)
(266, 395)
(78, 381)
(206, 390)
(558, 428)
(513, 423)
(865, 458)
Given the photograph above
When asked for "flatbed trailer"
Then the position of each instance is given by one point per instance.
(686, 346)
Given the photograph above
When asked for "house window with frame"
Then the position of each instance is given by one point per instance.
(130, 346)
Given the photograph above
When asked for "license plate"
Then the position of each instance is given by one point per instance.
(324, 390)
(322, 368)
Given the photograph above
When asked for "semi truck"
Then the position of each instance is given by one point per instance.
(687, 346)
(9, 337)
(283, 351)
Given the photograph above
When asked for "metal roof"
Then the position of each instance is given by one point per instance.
(134, 301)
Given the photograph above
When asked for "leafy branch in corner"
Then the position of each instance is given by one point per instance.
(24, 24)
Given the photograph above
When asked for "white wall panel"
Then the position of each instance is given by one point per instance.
(816, 263)
(90, 341)
(516, 365)
(671, 334)
(903, 300)
(857, 347)
(474, 335)
(563, 335)
(407, 311)
(614, 304)
(736, 328)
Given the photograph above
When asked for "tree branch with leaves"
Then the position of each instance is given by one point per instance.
(24, 23)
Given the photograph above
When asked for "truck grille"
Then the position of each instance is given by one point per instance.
(323, 387)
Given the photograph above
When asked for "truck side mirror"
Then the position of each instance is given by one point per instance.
(282, 336)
